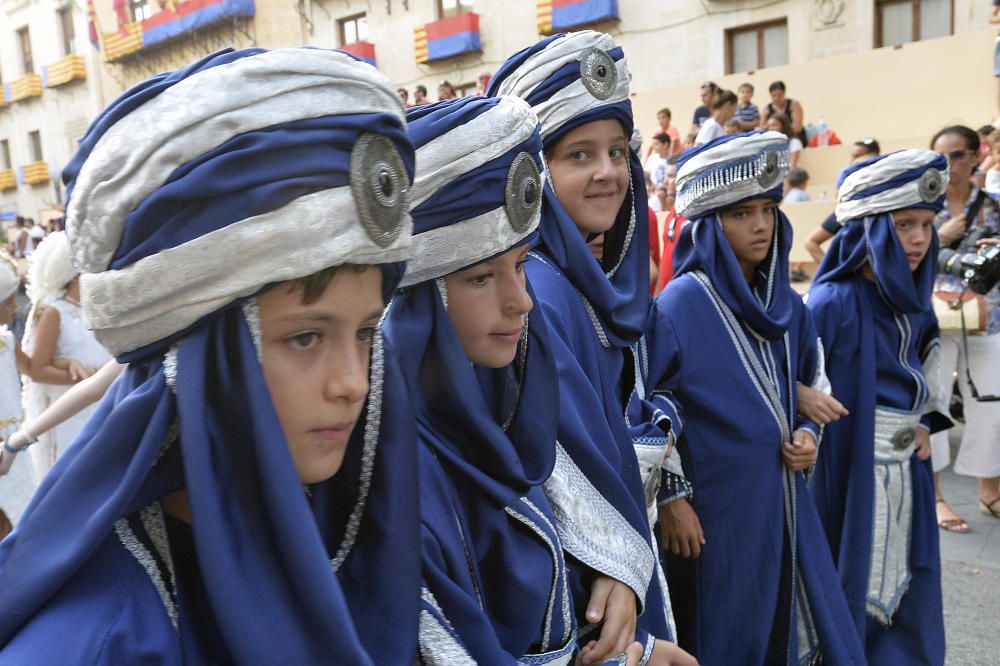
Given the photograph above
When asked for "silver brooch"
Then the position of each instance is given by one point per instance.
(903, 438)
(379, 185)
(523, 195)
(931, 185)
(769, 175)
(598, 73)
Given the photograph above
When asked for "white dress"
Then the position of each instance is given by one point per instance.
(18, 485)
(75, 341)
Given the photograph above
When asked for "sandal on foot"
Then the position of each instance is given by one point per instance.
(987, 509)
(956, 524)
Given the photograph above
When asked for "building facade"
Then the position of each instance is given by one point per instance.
(50, 94)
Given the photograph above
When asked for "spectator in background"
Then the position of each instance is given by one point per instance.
(733, 126)
(656, 163)
(446, 91)
(664, 126)
(482, 82)
(966, 206)
(703, 113)
(420, 96)
(780, 122)
(781, 104)
(404, 96)
(747, 113)
(723, 107)
(795, 186)
(672, 224)
(862, 149)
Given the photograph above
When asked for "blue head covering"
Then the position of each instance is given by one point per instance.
(570, 80)
(715, 176)
(477, 195)
(868, 194)
(192, 191)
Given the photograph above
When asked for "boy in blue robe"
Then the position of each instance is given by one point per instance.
(752, 581)
(871, 303)
(478, 365)
(243, 493)
(578, 85)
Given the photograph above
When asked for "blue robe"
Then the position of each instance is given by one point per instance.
(878, 340)
(495, 582)
(764, 589)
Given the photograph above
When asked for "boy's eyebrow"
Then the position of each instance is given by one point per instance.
(323, 317)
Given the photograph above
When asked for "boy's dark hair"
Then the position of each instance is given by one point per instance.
(985, 130)
(971, 138)
(776, 85)
(662, 137)
(870, 145)
(313, 286)
(722, 97)
(710, 85)
(422, 89)
(666, 111)
(797, 177)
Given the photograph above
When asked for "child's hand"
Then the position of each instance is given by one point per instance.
(800, 453)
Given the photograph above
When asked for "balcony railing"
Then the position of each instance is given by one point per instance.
(448, 37)
(29, 85)
(34, 173)
(178, 19)
(70, 68)
(363, 50)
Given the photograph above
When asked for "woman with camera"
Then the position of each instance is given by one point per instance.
(969, 214)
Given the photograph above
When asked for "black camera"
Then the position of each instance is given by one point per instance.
(979, 271)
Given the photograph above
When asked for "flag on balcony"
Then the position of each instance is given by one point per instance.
(559, 15)
(363, 50)
(92, 24)
(182, 17)
(448, 37)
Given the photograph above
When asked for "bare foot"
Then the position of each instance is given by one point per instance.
(947, 519)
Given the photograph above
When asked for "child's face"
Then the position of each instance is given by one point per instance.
(995, 153)
(487, 305)
(749, 227)
(660, 148)
(663, 119)
(590, 174)
(914, 227)
(745, 95)
(315, 359)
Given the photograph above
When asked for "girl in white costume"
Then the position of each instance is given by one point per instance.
(17, 489)
(61, 349)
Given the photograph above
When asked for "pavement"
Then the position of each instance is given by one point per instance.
(970, 575)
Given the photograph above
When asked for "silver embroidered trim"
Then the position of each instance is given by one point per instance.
(561, 656)
(574, 99)
(567, 617)
(373, 422)
(170, 368)
(647, 651)
(442, 288)
(907, 195)
(892, 511)
(439, 252)
(550, 607)
(630, 232)
(165, 292)
(721, 184)
(138, 154)
(173, 433)
(593, 530)
(436, 637)
(145, 559)
(251, 314)
(594, 319)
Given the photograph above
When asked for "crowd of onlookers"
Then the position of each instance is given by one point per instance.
(972, 212)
